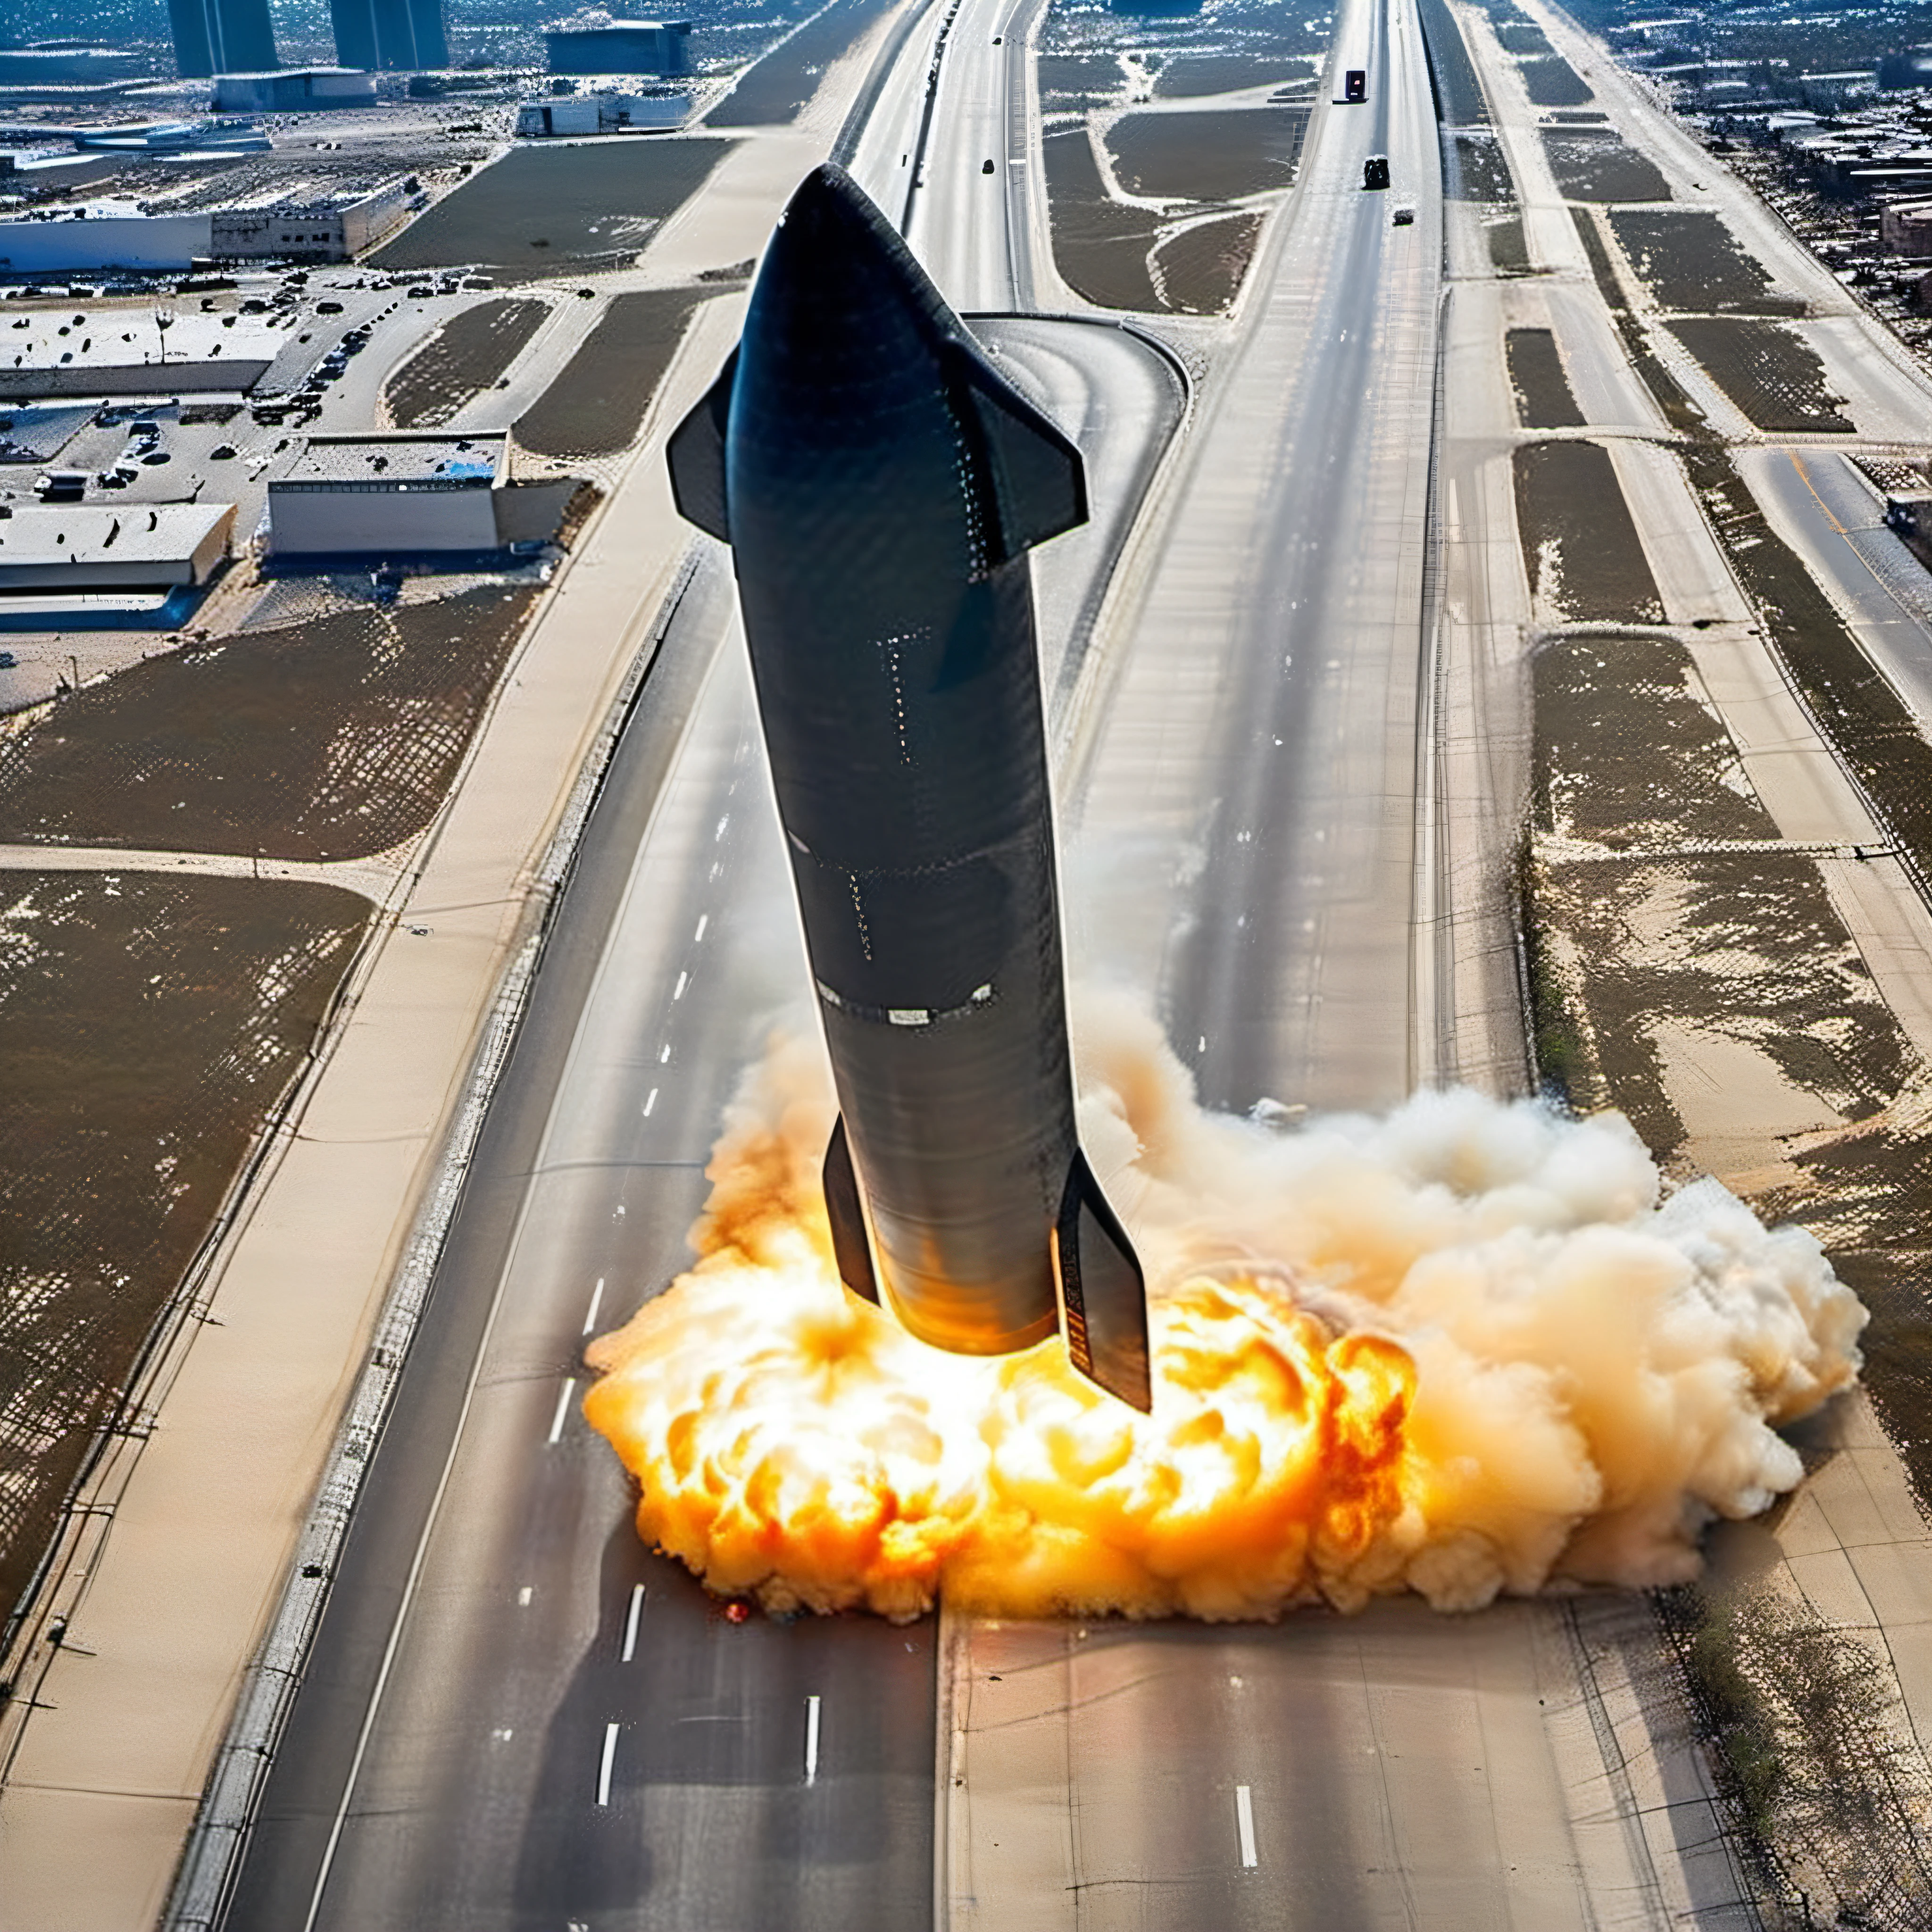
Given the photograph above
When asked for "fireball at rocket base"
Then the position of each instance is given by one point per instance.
(880, 484)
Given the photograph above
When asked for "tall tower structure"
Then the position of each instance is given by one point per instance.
(395, 35)
(222, 36)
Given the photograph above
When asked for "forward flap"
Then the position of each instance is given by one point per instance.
(696, 456)
(1040, 483)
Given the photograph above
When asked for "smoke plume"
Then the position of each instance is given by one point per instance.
(1464, 1348)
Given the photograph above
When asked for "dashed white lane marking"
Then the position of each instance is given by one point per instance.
(703, 920)
(631, 1622)
(812, 1740)
(650, 1101)
(683, 980)
(596, 1298)
(523, 1596)
(664, 1054)
(557, 1421)
(1244, 1823)
(605, 1763)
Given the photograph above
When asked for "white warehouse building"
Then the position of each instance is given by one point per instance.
(390, 495)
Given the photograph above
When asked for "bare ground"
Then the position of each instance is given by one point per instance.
(148, 1024)
(462, 358)
(1581, 548)
(335, 738)
(547, 211)
(1771, 375)
(596, 405)
(1692, 263)
(1543, 399)
(1208, 155)
(1602, 166)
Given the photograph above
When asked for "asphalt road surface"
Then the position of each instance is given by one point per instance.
(517, 1717)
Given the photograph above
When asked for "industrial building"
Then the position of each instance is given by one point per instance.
(409, 494)
(123, 352)
(82, 547)
(214, 36)
(392, 35)
(594, 42)
(652, 108)
(1905, 228)
(116, 234)
(293, 90)
(389, 494)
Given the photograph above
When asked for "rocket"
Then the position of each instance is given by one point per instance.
(880, 484)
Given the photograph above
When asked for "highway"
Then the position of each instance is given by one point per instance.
(515, 1717)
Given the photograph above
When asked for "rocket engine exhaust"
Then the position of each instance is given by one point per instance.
(880, 484)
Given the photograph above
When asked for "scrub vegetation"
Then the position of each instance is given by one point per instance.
(335, 738)
(1542, 397)
(1211, 161)
(149, 1024)
(1593, 166)
(1770, 373)
(596, 405)
(1691, 262)
(1581, 548)
(557, 208)
(464, 357)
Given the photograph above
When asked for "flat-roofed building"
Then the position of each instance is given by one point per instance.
(337, 230)
(389, 495)
(594, 42)
(293, 90)
(1905, 227)
(82, 547)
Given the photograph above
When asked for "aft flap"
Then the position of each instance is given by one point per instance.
(849, 1242)
(1039, 484)
(696, 456)
(1103, 1293)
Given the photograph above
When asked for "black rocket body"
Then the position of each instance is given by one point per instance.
(880, 484)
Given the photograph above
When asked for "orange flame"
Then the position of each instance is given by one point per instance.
(1498, 1356)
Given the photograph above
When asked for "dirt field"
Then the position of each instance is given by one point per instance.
(772, 90)
(1482, 170)
(1080, 80)
(1691, 261)
(550, 211)
(1542, 397)
(1522, 37)
(1664, 980)
(1579, 543)
(1553, 82)
(1773, 376)
(1099, 245)
(148, 1025)
(331, 739)
(1458, 91)
(596, 404)
(1188, 76)
(1214, 154)
(460, 360)
(1603, 167)
(1199, 270)
(1509, 252)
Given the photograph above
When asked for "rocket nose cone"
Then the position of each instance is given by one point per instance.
(839, 297)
